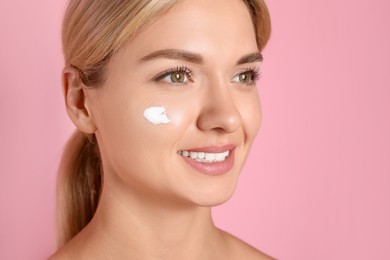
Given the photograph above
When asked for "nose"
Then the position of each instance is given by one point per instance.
(219, 112)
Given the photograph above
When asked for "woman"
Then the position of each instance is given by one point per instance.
(163, 94)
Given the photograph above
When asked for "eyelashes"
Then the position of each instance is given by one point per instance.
(249, 76)
(178, 75)
(182, 75)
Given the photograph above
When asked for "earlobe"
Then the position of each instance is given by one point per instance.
(75, 100)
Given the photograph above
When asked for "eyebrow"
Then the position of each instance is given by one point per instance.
(253, 57)
(176, 54)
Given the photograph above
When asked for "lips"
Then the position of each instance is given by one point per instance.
(213, 160)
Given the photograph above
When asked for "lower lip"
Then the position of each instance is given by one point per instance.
(213, 168)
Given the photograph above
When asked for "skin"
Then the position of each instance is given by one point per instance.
(153, 204)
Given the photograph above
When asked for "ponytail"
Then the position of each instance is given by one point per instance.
(79, 185)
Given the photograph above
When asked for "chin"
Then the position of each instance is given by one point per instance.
(214, 198)
(215, 202)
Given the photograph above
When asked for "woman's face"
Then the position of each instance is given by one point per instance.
(199, 61)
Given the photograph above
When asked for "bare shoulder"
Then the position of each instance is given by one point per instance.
(59, 255)
(67, 252)
(238, 249)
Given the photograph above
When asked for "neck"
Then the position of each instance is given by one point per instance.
(143, 227)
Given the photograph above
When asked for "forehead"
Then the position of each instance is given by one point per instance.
(213, 28)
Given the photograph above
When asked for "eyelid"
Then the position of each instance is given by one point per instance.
(256, 73)
(165, 73)
(255, 70)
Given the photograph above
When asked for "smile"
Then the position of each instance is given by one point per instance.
(205, 157)
(210, 160)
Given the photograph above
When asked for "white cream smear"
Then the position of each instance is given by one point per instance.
(156, 115)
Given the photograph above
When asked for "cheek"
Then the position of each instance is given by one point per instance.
(182, 118)
(125, 129)
(251, 116)
(119, 129)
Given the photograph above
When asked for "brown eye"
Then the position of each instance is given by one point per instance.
(246, 77)
(175, 76)
(178, 77)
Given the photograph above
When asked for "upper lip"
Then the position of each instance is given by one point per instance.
(212, 149)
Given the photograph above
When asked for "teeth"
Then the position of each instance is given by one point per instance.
(210, 156)
(193, 155)
(205, 157)
(219, 156)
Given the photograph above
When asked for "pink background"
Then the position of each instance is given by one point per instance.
(317, 185)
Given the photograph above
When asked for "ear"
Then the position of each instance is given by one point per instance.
(76, 100)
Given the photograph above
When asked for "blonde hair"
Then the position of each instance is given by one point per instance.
(93, 31)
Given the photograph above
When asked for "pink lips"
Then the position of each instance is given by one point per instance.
(213, 168)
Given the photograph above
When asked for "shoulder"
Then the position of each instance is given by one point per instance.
(59, 255)
(67, 252)
(238, 249)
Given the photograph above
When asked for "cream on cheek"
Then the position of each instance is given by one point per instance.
(156, 115)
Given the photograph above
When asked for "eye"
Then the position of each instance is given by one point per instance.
(179, 76)
(248, 77)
